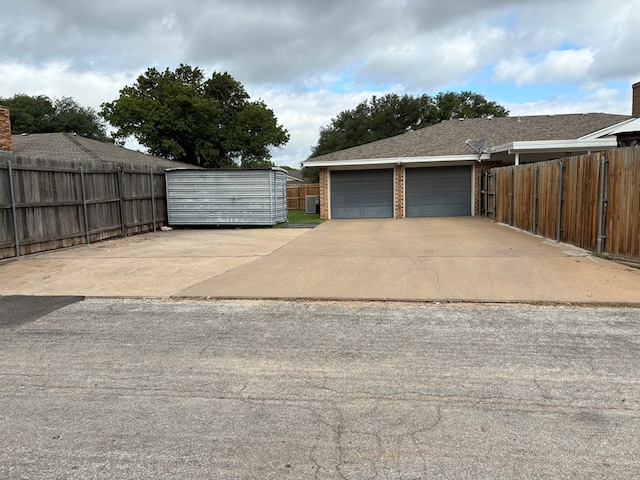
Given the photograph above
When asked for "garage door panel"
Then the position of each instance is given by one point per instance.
(362, 194)
(438, 191)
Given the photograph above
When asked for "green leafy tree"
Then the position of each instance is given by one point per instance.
(391, 114)
(69, 116)
(40, 114)
(450, 105)
(310, 174)
(182, 116)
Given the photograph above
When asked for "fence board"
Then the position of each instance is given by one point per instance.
(503, 176)
(548, 185)
(580, 200)
(580, 205)
(50, 209)
(623, 206)
(523, 197)
(296, 194)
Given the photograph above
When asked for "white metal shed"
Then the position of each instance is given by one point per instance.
(226, 197)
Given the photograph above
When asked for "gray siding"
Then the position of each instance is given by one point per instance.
(226, 197)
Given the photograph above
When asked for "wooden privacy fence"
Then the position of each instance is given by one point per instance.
(591, 201)
(47, 204)
(296, 194)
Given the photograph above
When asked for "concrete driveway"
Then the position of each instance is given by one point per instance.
(157, 264)
(427, 259)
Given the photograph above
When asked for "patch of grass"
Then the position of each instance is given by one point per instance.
(294, 216)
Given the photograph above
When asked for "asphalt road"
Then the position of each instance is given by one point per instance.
(17, 309)
(114, 389)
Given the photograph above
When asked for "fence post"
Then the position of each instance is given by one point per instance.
(153, 199)
(485, 193)
(84, 207)
(493, 196)
(560, 199)
(602, 202)
(535, 200)
(121, 195)
(13, 210)
(511, 198)
(490, 194)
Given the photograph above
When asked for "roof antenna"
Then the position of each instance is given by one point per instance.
(476, 147)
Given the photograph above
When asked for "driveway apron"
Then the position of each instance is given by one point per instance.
(457, 259)
(426, 259)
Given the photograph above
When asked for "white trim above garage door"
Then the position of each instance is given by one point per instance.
(361, 193)
(438, 191)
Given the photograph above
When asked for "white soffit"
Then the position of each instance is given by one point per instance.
(631, 125)
(556, 145)
(394, 161)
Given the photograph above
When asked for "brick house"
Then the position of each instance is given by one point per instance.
(436, 170)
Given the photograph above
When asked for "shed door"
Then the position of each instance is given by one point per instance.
(438, 191)
(362, 193)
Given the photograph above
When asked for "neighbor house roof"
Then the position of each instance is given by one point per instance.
(294, 175)
(449, 138)
(630, 126)
(71, 147)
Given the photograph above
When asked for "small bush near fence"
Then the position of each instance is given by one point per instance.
(591, 201)
(47, 204)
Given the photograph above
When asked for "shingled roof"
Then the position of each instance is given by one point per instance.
(448, 137)
(70, 147)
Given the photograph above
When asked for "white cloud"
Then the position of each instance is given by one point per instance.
(304, 114)
(310, 60)
(422, 63)
(555, 66)
(603, 100)
(56, 80)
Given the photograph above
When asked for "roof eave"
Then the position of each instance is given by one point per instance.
(612, 130)
(395, 160)
(545, 146)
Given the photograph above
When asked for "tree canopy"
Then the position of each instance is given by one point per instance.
(210, 123)
(40, 114)
(393, 114)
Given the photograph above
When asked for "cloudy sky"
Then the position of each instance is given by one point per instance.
(310, 59)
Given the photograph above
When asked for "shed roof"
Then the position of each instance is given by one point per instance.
(449, 137)
(71, 147)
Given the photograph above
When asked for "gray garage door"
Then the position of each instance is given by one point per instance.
(362, 194)
(438, 191)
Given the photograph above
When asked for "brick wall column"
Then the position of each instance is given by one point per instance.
(398, 175)
(635, 102)
(324, 193)
(5, 130)
(480, 168)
